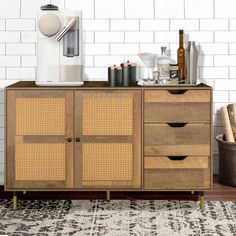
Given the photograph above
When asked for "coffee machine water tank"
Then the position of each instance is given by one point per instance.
(70, 43)
(59, 47)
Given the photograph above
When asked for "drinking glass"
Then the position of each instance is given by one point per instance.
(148, 61)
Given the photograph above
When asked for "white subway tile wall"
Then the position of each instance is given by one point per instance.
(2, 73)
(199, 8)
(169, 9)
(95, 25)
(2, 24)
(147, 25)
(20, 49)
(124, 25)
(176, 24)
(232, 72)
(117, 30)
(139, 9)
(214, 24)
(225, 8)
(111, 9)
(20, 24)
(10, 9)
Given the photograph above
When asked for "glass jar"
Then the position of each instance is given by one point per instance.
(163, 64)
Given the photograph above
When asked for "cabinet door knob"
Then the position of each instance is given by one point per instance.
(77, 139)
(69, 140)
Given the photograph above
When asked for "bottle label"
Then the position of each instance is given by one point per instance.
(174, 72)
(164, 70)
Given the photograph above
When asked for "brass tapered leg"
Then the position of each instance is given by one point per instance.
(108, 196)
(201, 198)
(14, 201)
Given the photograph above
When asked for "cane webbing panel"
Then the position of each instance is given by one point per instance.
(107, 161)
(41, 161)
(40, 116)
(108, 116)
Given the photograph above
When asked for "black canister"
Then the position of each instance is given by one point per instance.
(128, 73)
(118, 76)
(132, 73)
(125, 74)
(115, 76)
(112, 76)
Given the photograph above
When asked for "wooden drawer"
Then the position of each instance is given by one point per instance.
(176, 96)
(177, 105)
(177, 172)
(177, 139)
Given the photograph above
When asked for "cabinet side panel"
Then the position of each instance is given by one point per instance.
(137, 142)
(10, 139)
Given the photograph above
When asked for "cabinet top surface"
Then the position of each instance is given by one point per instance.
(100, 85)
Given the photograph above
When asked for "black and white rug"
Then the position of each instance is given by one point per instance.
(117, 217)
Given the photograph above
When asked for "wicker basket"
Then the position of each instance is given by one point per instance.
(227, 161)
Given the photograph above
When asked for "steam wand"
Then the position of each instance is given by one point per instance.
(66, 28)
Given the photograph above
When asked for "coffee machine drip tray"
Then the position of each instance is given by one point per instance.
(57, 83)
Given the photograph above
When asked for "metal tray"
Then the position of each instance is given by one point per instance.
(146, 84)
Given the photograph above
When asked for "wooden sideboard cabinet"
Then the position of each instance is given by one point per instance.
(64, 139)
(177, 139)
(96, 137)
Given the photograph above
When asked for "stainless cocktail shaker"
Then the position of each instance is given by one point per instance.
(191, 57)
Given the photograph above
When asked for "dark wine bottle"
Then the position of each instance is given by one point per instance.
(180, 57)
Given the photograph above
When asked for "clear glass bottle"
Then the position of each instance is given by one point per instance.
(163, 64)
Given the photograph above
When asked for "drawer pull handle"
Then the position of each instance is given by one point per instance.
(176, 125)
(176, 92)
(176, 158)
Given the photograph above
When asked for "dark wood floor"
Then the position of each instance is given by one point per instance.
(219, 192)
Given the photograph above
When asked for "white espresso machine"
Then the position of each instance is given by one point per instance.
(59, 47)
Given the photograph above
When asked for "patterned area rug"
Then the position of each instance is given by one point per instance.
(117, 217)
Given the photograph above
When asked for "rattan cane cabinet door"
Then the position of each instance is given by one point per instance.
(108, 151)
(39, 154)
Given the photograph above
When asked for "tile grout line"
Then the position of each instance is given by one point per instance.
(213, 9)
(184, 9)
(154, 9)
(94, 5)
(20, 8)
(124, 10)
(20, 34)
